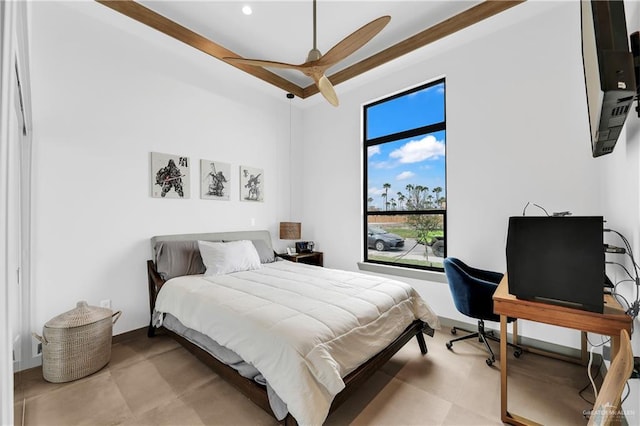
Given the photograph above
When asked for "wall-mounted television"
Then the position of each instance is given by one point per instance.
(608, 71)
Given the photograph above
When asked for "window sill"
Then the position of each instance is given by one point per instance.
(417, 274)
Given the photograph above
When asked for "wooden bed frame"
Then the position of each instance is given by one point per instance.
(257, 392)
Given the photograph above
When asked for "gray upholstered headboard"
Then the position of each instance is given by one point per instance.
(213, 236)
(178, 254)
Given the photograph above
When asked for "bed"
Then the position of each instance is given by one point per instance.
(295, 339)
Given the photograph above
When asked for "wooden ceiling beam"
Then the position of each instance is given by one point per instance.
(158, 22)
(456, 23)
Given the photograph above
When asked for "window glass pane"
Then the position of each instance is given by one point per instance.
(405, 178)
(416, 240)
(413, 110)
(408, 174)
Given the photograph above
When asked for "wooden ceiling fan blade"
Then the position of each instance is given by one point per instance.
(262, 63)
(353, 42)
(327, 90)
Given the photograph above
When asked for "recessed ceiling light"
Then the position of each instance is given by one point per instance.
(246, 9)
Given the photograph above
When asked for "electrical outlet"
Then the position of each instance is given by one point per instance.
(36, 348)
(106, 303)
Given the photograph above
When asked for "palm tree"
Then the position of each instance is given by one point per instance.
(437, 190)
(386, 187)
(410, 204)
(401, 199)
(409, 189)
(416, 199)
(369, 201)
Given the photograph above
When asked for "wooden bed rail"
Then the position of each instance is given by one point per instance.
(257, 392)
(155, 283)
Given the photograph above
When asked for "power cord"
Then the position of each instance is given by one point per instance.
(524, 210)
(593, 384)
(623, 267)
(554, 214)
(634, 308)
(589, 374)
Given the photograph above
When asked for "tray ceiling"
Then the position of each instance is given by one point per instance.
(283, 30)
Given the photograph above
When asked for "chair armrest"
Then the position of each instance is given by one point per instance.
(489, 276)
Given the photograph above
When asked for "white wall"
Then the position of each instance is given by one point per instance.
(15, 142)
(7, 297)
(107, 91)
(621, 205)
(517, 131)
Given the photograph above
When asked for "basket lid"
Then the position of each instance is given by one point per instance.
(82, 314)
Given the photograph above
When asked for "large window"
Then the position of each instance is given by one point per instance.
(405, 178)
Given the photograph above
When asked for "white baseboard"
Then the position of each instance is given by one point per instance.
(36, 361)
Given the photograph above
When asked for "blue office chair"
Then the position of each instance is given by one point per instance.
(472, 290)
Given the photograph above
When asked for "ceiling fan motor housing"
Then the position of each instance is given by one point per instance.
(314, 55)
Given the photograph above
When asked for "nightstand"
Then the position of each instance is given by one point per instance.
(312, 258)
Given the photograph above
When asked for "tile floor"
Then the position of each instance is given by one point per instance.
(157, 382)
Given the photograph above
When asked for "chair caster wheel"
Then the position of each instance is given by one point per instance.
(489, 362)
(517, 353)
(454, 331)
(449, 345)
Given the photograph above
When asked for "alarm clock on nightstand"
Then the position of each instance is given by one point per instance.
(304, 246)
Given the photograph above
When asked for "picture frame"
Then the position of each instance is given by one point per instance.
(170, 176)
(251, 184)
(215, 180)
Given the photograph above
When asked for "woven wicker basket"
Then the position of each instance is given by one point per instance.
(76, 343)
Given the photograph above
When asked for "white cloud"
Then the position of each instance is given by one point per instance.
(375, 191)
(373, 150)
(419, 150)
(382, 165)
(405, 175)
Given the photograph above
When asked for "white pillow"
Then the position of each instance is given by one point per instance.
(224, 258)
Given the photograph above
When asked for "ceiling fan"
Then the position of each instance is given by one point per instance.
(317, 63)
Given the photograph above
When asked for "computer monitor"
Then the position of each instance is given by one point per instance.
(557, 260)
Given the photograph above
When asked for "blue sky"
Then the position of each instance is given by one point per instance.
(417, 161)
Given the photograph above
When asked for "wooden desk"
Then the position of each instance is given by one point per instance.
(609, 323)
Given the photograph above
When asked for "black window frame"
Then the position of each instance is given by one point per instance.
(367, 143)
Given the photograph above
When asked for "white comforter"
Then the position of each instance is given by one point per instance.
(302, 327)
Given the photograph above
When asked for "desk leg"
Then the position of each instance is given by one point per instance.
(504, 415)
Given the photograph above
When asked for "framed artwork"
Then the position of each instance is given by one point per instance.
(215, 180)
(251, 184)
(170, 176)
